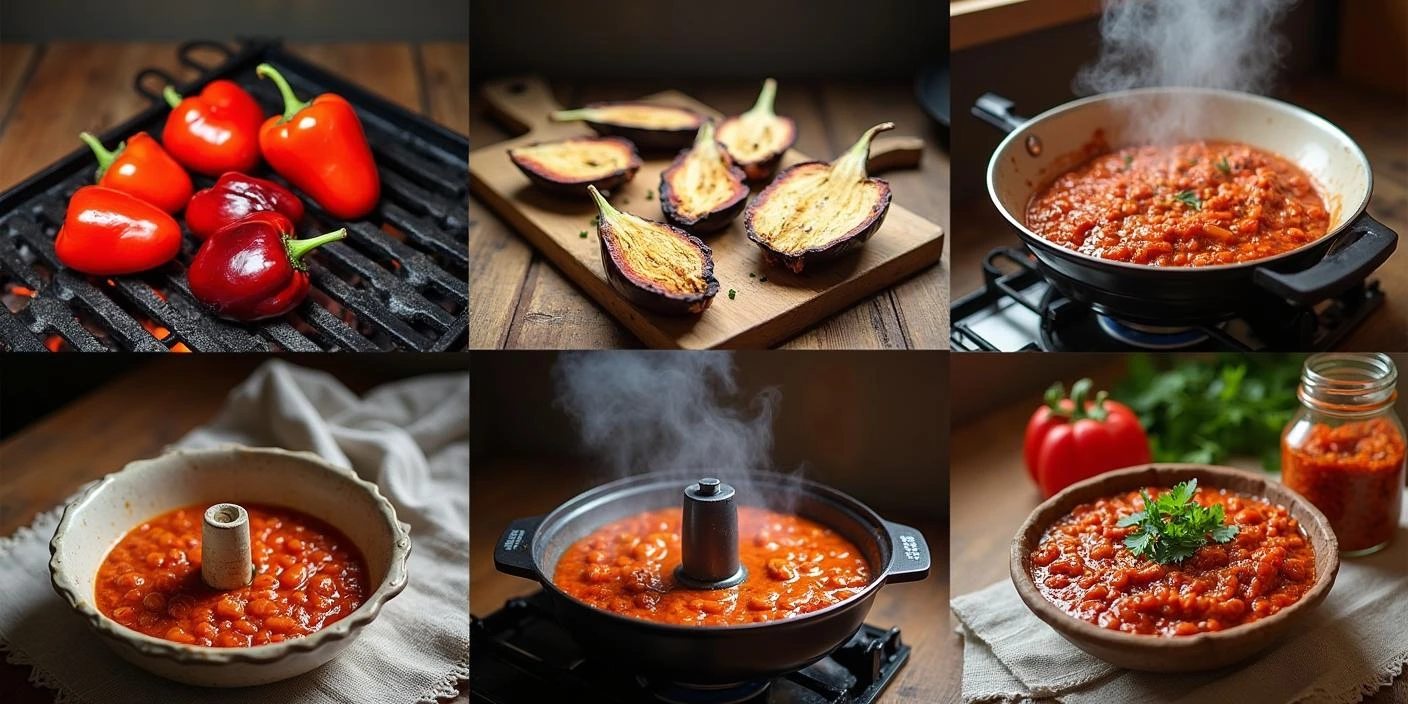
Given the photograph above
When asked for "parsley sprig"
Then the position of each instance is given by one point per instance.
(1190, 199)
(1174, 526)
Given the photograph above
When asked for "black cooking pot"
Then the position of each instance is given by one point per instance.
(1039, 149)
(710, 656)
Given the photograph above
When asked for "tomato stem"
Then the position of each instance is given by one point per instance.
(1081, 406)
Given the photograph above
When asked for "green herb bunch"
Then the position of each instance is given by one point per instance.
(1205, 409)
(1174, 526)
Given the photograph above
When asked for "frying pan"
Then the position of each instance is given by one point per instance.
(1039, 149)
(710, 656)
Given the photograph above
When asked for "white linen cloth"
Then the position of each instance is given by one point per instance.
(1355, 642)
(411, 438)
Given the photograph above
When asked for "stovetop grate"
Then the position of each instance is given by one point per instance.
(398, 282)
(522, 656)
(1040, 318)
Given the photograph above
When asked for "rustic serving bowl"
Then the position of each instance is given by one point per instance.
(98, 519)
(1203, 651)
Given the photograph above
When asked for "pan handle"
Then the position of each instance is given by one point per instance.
(1370, 244)
(997, 111)
(909, 558)
(514, 552)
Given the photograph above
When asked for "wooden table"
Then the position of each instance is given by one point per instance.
(502, 490)
(1374, 121)
(991, 495)
(130, 418)
(519, 300)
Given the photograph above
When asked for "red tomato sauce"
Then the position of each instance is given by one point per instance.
(1082, 566)
(307, 576)
(795, 566)
(1190, 204)
(1351, 473)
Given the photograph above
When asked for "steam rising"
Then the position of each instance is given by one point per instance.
(1226, 44)
(662, 411)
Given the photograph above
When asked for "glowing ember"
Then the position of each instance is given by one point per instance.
(180, 347)
(54, 343)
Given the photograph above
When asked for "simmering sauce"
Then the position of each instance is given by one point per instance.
(795, 566)
(1082, 566)
(307, 576)
(1190, 204)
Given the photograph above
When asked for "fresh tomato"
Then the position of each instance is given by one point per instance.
(1075, 438)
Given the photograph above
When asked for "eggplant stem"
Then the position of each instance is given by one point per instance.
(766, 100)
(852, 163)
(571, 115)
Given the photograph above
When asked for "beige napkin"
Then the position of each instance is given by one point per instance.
(1352, 644)
(411, 438)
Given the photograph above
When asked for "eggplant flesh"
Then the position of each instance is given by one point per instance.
(570, 165)
(807, 216)
(758, 138)
(649, 126)
(654, 265)
(702, 190)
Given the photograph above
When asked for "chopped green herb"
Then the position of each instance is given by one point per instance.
(582, 234)
(1190, 199)
(649, 194)
(763, 280)
(731, 294)
(1223, 166)
(751, 275)
(1173, 527)
(1128, 159)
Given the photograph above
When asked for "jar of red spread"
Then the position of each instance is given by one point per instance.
(1344, 449)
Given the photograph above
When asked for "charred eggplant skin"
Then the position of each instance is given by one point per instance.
(647, 139)
(712, 221)
(570, 187)
(643, 293)
(656, 300)
(801, 261)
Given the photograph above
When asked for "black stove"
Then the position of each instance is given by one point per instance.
(1017, 309)
(521, 655)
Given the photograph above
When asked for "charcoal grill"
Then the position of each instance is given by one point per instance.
(398, 282)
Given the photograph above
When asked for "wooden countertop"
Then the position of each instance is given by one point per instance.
(1374, 121)
(130, 418)
(503, 490)
(991, 495)
(521, 301)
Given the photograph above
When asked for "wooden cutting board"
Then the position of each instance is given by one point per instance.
(761, 314)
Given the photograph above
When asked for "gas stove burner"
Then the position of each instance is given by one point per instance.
(523, 655)
(1151, 337)
(672, 693)
(1018, 309)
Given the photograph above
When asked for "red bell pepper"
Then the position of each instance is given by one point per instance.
(1070, 439)
(215, 131)
(141, 168)
(235, 196)
(108, 232)
(321, 149)
(253, 268)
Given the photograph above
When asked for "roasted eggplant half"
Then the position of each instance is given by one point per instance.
(568, 166)
(654, 265)
(651, 127)
(757, 139)
(817, 211)
(702, 191)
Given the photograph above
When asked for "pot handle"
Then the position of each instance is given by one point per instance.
(514, 552)
(909, 560)
(997, 111)
(1370, 244)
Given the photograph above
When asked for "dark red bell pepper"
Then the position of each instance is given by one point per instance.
(215, 131)
(235, 196)
(141, 168)
(107, 233)
(253, 268)
(321, 149)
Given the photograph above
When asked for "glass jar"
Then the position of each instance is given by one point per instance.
(1344, 448)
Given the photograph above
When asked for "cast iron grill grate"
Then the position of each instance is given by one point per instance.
(398, 282)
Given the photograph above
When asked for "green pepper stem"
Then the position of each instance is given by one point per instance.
(291, 102)
(297, 249)
(571, 115)
(105, 157)
(852, 163)
(171, 96)
(766, 99)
